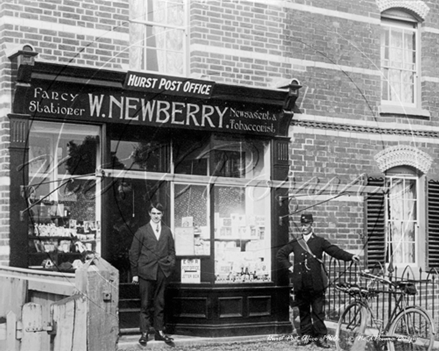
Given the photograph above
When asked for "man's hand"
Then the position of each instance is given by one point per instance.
(355, 258)
(135, 279)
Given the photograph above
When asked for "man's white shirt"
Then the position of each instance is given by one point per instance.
(156, 229)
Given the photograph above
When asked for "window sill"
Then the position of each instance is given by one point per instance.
(412, 112)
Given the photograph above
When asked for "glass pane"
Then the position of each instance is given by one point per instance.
(191, 156)
(402, 220)
(151, 156)
(240, 158)
(158, 35)
(385, 86)
(409, 40)
(395, 86)
(396, 38)
(157, 11)
(174, 40)
(410, 231)
(153, 60)
(62, 193)
(407, 87)
(176, 14)
(175, 62)
(191, 226)
(242, 240)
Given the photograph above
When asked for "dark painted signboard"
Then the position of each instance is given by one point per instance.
(154, 83)
(70, 102)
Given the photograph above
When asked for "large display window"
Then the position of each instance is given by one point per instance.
(242, 237)
(62, 194)
(216, 193)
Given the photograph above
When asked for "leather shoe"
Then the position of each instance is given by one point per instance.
(304, 340)
(144, 339)
(160, 336)
(322, 343)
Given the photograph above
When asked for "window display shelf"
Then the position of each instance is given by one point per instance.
(232, 239)
(48, 237)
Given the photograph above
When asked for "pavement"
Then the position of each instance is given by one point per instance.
(278, 342)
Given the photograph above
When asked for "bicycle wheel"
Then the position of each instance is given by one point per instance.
(351, 327)
(412, 329)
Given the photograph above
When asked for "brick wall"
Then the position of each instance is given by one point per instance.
(332, 48)
(321, 164)
(92, 33)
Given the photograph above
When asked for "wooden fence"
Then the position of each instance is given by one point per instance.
(44, 310)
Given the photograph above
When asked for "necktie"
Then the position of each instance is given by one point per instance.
(157, 228)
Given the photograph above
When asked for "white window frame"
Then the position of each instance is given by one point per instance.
(405, 22)
(145, 22)
(420, 221)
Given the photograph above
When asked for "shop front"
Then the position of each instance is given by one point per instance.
(90, 149)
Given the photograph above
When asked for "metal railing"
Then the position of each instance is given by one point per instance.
(427, 284)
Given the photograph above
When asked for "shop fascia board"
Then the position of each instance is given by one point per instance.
(114, 79)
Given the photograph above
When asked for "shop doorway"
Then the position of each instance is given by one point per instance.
(127, 209)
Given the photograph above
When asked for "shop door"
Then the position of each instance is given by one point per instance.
(127, 206)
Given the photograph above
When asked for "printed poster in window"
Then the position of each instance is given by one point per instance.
(190, 271)
(184, 238)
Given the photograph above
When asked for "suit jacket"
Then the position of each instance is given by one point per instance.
(147, 254)
(305, 266)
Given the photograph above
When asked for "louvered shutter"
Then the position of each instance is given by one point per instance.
(374, 207)
(433, 227)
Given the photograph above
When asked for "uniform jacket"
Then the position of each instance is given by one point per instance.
(147, 254)
(303, 259)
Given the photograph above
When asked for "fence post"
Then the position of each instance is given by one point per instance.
(12, 342)
(69, 324)
(33, 329)
(98, 281)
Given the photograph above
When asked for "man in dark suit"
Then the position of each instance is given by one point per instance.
(152, 258)
(308, 284)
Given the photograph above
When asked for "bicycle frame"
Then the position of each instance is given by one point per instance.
(362, 296)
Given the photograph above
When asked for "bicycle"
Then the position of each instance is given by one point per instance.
(408, 328)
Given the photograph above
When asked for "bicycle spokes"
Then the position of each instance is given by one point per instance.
(412, 330)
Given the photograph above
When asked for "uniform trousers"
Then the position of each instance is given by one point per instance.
(311, 312)
(152, 293)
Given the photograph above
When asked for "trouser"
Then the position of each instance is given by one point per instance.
(311, 313)
(152, 293)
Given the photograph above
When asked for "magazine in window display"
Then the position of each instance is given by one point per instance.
(187, 222)
(260, 221)
(238, 219)
(204, 232)
(184, 237)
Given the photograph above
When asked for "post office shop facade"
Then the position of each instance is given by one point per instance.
(90, 149)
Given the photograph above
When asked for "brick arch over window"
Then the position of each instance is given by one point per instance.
(399, 155)
(417, 8)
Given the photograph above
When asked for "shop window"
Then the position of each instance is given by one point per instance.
(242, 236)
(62, 193)
(130, 150)
(400, 58)
(158, 36)
(191, 225)
(191, 154)
(217, 192)
(240, 158)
